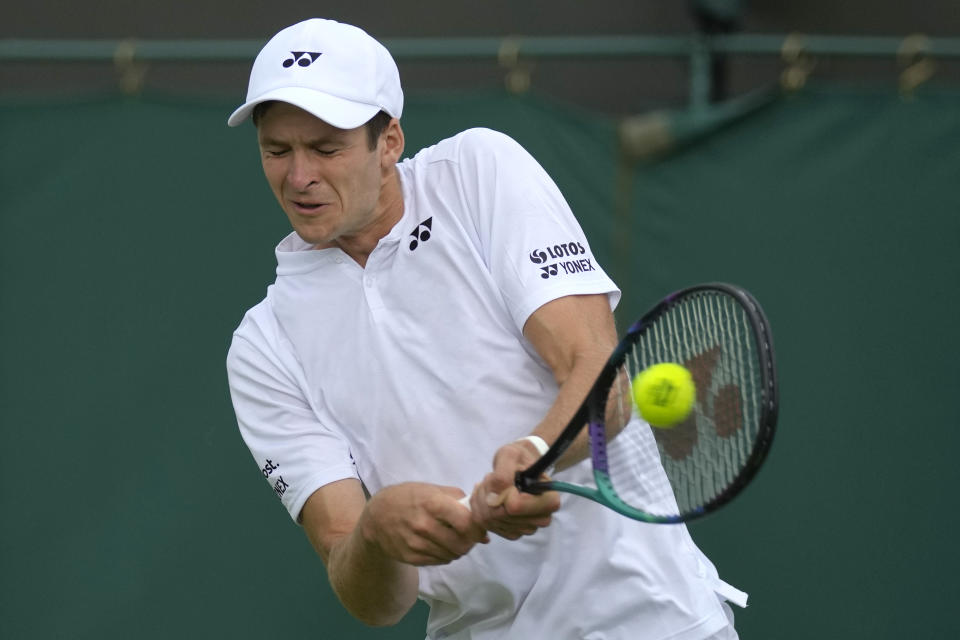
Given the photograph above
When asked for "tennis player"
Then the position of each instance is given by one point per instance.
(435, 322)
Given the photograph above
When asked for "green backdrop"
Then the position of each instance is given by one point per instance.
(135, 232)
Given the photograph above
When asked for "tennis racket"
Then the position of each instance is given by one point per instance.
(670, 475)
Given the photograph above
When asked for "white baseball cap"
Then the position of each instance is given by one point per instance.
(335, 71)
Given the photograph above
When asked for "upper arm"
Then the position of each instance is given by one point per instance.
(525, 232)
(294, 450)
(572, 329)
(331, 513)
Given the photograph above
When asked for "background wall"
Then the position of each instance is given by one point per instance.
(617, 86)
(135, 231)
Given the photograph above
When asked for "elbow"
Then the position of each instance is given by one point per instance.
(381, 616)
(382, 602)
(380, 621)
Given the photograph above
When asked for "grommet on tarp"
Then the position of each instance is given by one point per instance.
(913, 57)
(131, 72)
(519, 71)
(798, 60)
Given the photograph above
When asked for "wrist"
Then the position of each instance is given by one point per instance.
(536, 442)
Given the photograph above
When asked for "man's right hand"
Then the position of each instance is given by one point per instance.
(420, 524)
(372, 547)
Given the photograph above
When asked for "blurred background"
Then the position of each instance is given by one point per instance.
(809, 151)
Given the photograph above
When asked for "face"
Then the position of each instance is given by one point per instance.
(333, 188)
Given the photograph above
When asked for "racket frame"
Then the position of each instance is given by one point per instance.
(591, 415)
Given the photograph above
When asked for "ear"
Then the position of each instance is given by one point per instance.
(391, 147)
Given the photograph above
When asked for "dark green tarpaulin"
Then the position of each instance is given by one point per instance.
(135, 232)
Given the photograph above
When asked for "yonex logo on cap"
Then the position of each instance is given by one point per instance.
(301, 58)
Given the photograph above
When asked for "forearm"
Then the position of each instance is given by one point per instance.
(372, 548)
(573, 389)
(575, 336)
(373, 584)
(374, 588)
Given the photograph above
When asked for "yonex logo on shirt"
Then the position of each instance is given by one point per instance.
(421, 233)
(301, 58)
(557, 252)
(280, 486)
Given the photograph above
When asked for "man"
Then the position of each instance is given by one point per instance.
(408, 340)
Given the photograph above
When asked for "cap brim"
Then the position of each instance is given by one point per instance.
(339, 112)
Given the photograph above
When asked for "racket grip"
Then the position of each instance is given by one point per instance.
(465, 501)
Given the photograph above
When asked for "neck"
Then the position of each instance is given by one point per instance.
(389, 211)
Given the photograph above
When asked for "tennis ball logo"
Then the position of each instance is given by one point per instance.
(664, 394)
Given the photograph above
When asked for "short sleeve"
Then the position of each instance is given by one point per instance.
(295, 452)
(530, 240)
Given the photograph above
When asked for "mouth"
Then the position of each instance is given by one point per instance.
(307, 208)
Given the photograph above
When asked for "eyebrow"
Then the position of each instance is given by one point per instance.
(333, 138)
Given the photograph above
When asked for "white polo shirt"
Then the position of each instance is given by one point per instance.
(415, 368)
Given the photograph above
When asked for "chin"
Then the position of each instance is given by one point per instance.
(317, 241)
(311, 236)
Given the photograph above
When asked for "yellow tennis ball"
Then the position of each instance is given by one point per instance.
(664, 394)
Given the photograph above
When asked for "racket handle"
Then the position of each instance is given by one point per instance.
(465, 501)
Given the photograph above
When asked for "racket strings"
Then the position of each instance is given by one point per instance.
(677, 470)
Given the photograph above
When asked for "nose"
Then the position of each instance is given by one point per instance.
(301, 172)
